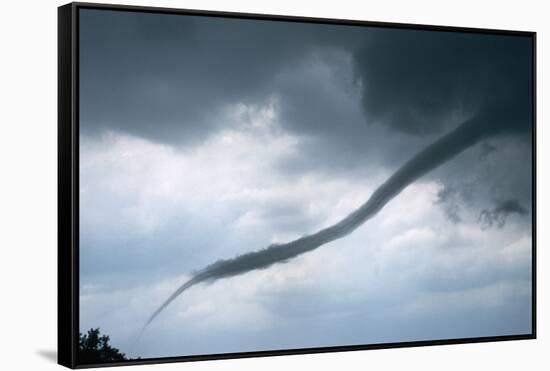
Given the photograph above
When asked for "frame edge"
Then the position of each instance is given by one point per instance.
(68, 316)
(295, 18)
(66, 319)
(534, 188)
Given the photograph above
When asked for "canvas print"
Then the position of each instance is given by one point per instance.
(256, 185)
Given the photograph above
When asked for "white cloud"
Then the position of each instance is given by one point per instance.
(131, 181)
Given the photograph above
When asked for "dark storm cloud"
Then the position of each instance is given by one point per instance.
(415, 81)
(498, 215)
(415, 84)
(164, 77)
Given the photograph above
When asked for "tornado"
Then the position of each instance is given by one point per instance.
(439, 152)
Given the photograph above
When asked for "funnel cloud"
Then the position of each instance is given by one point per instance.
(439, 152)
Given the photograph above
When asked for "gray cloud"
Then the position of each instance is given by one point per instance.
(479, 181)
(498, 215)
(448, 197)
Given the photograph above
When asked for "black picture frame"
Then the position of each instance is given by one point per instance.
(68, 183)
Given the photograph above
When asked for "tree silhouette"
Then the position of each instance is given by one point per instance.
(95, 348)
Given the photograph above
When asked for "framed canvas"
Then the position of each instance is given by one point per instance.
(238, 185)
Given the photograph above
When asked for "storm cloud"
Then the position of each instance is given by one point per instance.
(424, 81)
(164, 78)
(346, 88)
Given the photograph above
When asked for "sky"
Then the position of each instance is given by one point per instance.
(204, 138)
